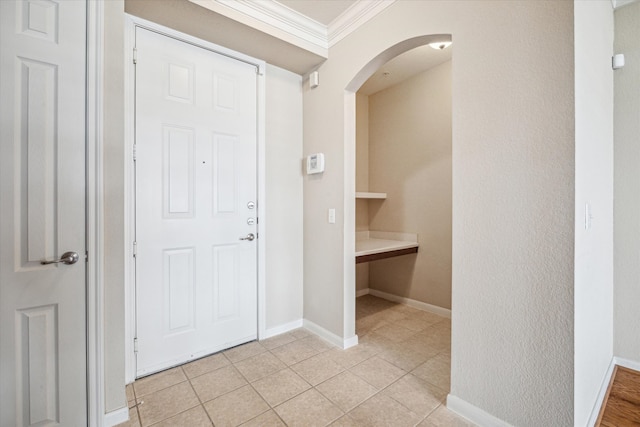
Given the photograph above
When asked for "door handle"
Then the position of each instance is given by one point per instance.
(249, 237)
(67, 258)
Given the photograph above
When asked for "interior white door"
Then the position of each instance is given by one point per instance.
(42, 213)
(196, 279)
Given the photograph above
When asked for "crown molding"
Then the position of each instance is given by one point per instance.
(354, 17)
(275, 20)
(617, 4)
(278, 20)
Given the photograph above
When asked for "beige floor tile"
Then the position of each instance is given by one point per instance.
(390, 315)
(281, 386)
(405, 309)
(237, 407)
(195, 417)
(216, 383)
(377, 372)
(259, 366)
(416, 394)
(424, 346)
(393, 339)
(347, 421)
(435, 335)
(432, 318)
(436, 371)
(375, 342)
(158, 381)
(278, 340)
(403, 357)
(369, 324)
(413, 323)
(395, 332)
(352, 356)
(295, 352)
(381, 411)
(318, 368)
(300, 333)
(244, 351)
(308, 409)
(166, 403)
(317, 343)
(206, 364)
(268, 419)
(346, 390)
(442, 417)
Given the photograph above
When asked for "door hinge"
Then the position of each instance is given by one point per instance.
(135, 249)
(135, 152)
(135, 345)
(135, 55)
(86, 256)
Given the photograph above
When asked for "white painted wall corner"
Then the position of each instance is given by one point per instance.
(330, 336)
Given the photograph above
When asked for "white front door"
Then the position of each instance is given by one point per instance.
(196, 279)
(42, 213)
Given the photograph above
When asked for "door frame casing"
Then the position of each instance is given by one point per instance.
(132, 22)
(94, 205)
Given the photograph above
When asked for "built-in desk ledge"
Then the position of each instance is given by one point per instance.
(375, 245)
(367, 195)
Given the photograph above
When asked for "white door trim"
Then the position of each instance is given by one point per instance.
(130, 314)
(94, 226)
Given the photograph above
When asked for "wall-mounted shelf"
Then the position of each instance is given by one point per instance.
(375, 245)
(367, 195)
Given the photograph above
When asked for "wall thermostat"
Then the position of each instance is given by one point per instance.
(315, 163)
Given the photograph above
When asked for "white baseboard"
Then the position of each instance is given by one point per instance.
(473, 413)
(116, 417)
(595, 411)
(281, 329)
(444, 312)
(331, 337)
(626, 363)
(620, 361)
(362, 292)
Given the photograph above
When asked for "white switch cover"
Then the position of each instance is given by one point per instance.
(332, 216)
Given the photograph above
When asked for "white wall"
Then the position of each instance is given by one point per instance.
(627, 189)
(594, 186)
(283, 198)
(513, 196)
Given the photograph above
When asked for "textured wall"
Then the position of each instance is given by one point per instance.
(627, 189)
(410, 160)
(594, 186)
(513, 196)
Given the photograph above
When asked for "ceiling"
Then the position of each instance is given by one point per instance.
(322, 11)
(393, 72)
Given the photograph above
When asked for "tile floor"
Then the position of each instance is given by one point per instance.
(397, 376)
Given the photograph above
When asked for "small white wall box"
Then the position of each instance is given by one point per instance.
(314, 80)
(315, 163)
